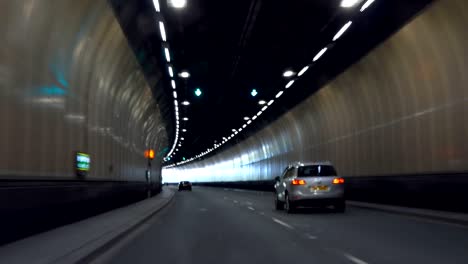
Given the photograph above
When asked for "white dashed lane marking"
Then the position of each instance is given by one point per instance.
(235, 201)
(282, 223)
(251, 208)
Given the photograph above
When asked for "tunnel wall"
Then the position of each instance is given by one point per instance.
(400, 113)
(70, 82)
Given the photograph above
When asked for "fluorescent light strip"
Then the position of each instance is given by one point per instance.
(320, 54)
(254, 117)
(366, 5)
(173, 84)
(168, 56)
(156, 5)
(342, 30)
(162, 30)
(171, 73)
(289, 84)
(175, 94)
(244, 126)
(303, 70)
(271, 101)
(264, 108)
(279, 94)
(259, 113)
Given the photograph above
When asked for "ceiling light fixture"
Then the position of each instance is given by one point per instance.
(289, 84)
(342, 30)
(244, 126)
(168, 56)
(320, 54)
(279, 94)
(175, 94)
(303, 70)
(254, 117)
(288, 73)
(248, 122)
(349, 3)
(156, 5)
(233, 130)
(186, 103)
(246, 118)
(162, 30)
(366, 5)
(259, 113)
(173, 84)
(184, 130)
(184, 74)
(271, 101)
(185, 118)
(264, 108)
(261, 102)
(171, 73)
(178, 3)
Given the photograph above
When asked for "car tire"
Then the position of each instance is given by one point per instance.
(289, 205)
(278, 204)
(340, 206)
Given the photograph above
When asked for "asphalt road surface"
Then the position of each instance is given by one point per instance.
(210, 225)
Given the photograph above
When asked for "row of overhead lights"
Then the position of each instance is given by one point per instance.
(171, 71)
(286, 74)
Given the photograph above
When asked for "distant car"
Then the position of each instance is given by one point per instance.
(309, 184)
(185, 185)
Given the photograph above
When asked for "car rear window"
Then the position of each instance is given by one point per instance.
(316, 170)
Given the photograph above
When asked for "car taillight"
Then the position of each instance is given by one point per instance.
(298, 182)
(338, 181)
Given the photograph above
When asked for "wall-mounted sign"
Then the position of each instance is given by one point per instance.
(82, 163)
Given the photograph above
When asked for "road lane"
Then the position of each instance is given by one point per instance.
(212, 225)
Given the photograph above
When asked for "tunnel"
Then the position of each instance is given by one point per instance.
(113, 106)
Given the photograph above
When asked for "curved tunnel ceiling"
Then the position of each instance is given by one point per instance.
(232, 47)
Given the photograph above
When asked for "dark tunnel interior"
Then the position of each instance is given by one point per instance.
(319, 117)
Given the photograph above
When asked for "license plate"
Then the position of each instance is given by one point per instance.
(319, 188)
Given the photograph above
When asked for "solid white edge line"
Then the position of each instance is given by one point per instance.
(282, 223)
(354, 259)
(251, 208)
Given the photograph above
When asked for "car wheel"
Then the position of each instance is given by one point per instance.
(278, 204)
(288, 206)
(340, 206)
